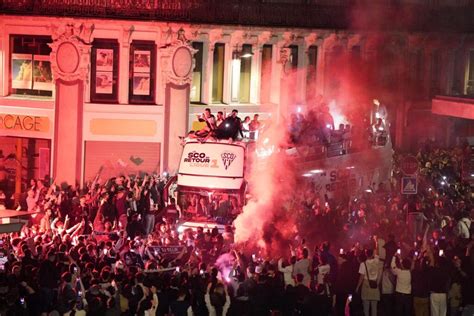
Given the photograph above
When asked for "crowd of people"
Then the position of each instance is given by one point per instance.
(221, 206)
(115, 248)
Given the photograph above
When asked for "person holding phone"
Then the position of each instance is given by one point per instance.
(401, 268)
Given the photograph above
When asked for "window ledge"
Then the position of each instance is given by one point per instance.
(27, 97)
(123, 108)
(26, 101)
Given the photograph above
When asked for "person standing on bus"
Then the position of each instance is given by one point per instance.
(210, 121)
(220, 118)
(231, 127)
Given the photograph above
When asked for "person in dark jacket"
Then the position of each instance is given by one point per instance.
(439, 279)
(48, 276)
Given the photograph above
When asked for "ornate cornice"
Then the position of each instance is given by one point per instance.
(177, 62)
(70, 51)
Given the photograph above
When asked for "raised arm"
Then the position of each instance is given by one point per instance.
(393, 265)
(53, 224)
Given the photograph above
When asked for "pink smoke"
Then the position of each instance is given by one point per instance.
(271, 184)
(224, 264)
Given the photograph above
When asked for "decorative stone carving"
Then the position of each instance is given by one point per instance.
(264, 38)
(284, 57)
(177, 62)
(127, 35)
(215, 35)
(354, 40)
(70, 51)
(289, 38)
(310, 40)
(237, 40)
(248, 35)
(330, 42)
(182, 36)
(193, 32)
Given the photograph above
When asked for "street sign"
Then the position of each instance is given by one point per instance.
(409, 185)
(409, 165)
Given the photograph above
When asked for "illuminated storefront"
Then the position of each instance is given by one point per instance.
(25, 146)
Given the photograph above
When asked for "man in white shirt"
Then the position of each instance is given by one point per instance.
(403, 298)
(287, 270)
(302, 266)
(323, 271)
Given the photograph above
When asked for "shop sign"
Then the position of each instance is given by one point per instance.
(28, 123)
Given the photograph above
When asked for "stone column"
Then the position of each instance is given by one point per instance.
(207, 57)
(275, 76)
(177, 65)
(301, 72)
(255, 74)
(282, 75)
(124, 65)
(3, 74)
(70, 60)
(227, 84)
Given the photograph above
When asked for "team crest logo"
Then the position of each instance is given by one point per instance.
(227, 158)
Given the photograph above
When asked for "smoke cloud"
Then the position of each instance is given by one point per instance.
(267, 221)
(356, 71)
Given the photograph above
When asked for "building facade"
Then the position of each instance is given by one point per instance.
(81, 95)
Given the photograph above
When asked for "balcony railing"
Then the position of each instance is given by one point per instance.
(306, 13)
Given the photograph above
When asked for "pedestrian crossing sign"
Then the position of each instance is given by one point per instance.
(409, 185)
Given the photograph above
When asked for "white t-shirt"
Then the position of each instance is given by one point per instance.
(322, 272)
(287, 273)
(403, 279)
(388, 282)
(302, 266)
(372, 267)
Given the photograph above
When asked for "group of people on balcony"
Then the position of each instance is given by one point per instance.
(230, 127)
(316, 126)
